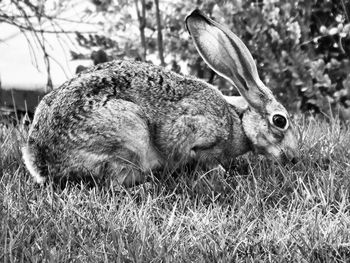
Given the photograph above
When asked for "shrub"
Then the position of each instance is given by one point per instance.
(302, 47)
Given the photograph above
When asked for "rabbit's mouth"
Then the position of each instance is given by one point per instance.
(285, 157)
(289, 156)
(278, 155)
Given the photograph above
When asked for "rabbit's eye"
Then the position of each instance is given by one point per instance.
(279, 121)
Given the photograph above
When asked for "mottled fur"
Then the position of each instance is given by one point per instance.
(132, 113)
(120, 120)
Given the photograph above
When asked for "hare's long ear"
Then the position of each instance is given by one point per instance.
(227, 55)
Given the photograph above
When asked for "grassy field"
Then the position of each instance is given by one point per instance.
(261, 212)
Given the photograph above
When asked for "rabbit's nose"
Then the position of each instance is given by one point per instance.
(294, 160)
(291, 156)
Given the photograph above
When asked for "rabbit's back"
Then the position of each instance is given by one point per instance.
(156, 90)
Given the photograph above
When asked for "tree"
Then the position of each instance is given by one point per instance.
(159, 35)
(35, 20)
(141, 15)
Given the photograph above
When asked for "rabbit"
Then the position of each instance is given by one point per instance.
(122, 120)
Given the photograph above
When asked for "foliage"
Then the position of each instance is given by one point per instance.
(36, 20)
(302, 47)
(261, 213)
(31, 18)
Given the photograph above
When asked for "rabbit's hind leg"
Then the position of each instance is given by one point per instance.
(119, 139)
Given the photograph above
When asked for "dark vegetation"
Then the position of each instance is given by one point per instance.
(302, 47)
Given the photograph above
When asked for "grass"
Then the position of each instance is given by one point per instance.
(261, 212)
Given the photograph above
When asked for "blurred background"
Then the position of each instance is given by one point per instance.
(302, 47)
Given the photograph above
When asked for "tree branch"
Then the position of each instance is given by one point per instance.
(142, 24)
(159, 35)
(32, 29)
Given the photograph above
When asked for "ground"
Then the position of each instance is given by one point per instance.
(260, 212)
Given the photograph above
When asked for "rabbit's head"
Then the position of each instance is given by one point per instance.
(266, 122)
